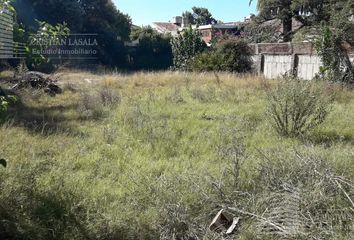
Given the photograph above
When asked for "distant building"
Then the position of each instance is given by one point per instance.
(209, 32)
(212, 31)
(165, 28)
(172, 27)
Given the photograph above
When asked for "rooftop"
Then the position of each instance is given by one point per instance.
(165, 26)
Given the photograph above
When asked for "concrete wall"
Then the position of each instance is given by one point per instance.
(276, 65)
(308, 66)
(274, 60)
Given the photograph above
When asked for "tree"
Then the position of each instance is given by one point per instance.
(154, 50)
(41, 40)
(102, 16)
(199, 16)
(82, 16)
(281, 9)
(6, 4)
(255, 32)
(52, 12)
(308, 12)
(331, 46)
(185, 46)
(113, 28)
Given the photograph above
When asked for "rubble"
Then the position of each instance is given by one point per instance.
(37, 80)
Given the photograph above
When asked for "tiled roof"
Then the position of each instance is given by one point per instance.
(165, 26)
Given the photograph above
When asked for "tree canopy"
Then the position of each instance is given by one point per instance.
(199, 16)
(185, 47)
(308, 12)
(99, 17)
(153, 51)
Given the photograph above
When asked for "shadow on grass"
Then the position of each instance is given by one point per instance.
(48, 216)
(330, 138)
(45, 120)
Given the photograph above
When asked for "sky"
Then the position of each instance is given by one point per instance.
(144, 12)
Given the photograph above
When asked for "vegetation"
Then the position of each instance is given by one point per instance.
(228, 56)
(41, 40)
(199, 16)
(154, 49)
(185, 47)
(256, 32)
(309, 13)
(5, 101)
(157, 155)
(331, 46)
(296, 106)
(99, 17)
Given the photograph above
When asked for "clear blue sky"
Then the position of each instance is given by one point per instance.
(144, 12)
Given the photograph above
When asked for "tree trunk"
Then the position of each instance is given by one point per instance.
(287, 28)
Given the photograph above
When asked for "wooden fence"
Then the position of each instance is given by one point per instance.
(9, 49)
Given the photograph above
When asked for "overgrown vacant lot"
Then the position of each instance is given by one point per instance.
(157, 155)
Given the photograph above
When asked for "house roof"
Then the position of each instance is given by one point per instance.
(165, 26)
(218, 26)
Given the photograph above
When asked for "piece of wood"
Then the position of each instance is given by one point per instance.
(233, 226)
(221, 222)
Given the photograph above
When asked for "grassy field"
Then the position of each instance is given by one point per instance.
(157, 155)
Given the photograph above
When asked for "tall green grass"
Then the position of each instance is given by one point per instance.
(156, 155)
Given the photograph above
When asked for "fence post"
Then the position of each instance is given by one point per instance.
(294, 61)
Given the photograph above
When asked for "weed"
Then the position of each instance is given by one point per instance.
(296, 107)
(90, 106)
(109, 97)
(204, 95)
(149, 168)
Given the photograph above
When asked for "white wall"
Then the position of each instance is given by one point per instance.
(276, 65)
(308, 66)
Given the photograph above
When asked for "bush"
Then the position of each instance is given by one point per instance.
(230, 56)
(297, 106)
(186, 46)
(207, 61)
(236, 56)
(5, 102)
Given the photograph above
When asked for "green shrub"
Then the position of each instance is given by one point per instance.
(296, 106)
(207, 61)
(5, 102)
(186, 46)
(236, 56)
(229, 56)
